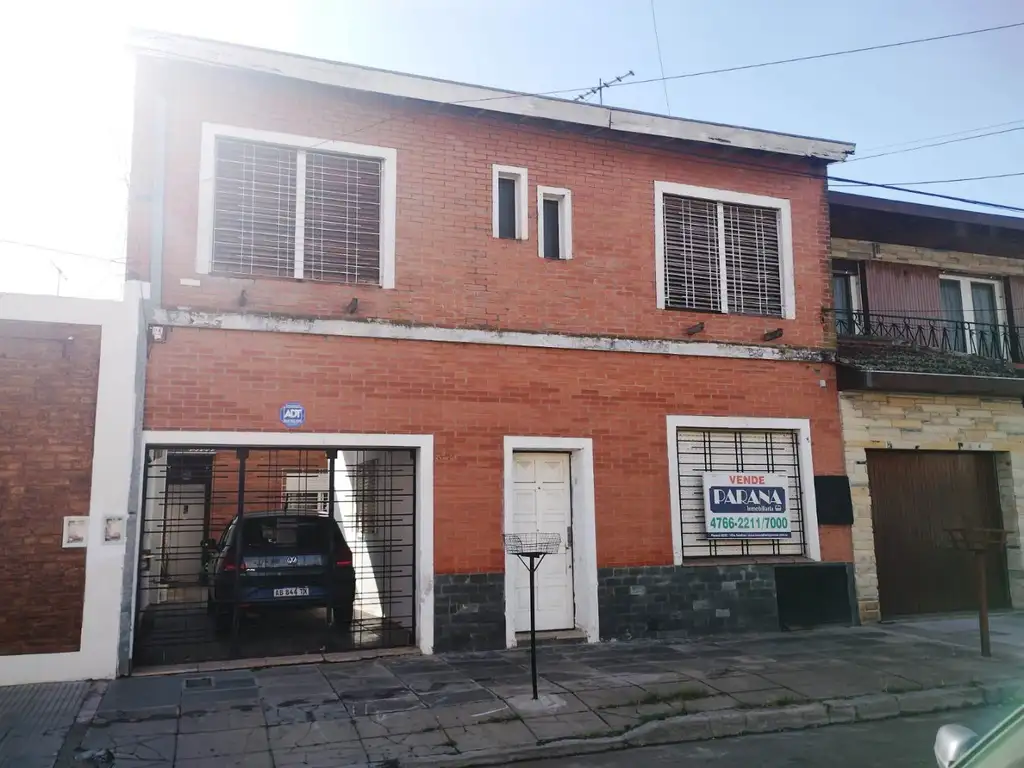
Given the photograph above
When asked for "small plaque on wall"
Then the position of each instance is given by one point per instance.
(113, 529)
(76, 532)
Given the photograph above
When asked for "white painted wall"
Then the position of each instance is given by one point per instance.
(382, 592)
(114, 440)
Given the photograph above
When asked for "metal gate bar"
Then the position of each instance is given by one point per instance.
(218, 523)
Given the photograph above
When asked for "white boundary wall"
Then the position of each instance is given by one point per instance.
(118, 404)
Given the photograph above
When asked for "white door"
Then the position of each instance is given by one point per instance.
(184, 515)
(542, 503)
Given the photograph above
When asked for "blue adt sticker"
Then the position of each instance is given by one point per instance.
(293, 415)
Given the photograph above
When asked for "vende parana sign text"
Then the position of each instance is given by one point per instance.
(746, 505)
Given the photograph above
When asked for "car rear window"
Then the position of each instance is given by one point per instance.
(292, 534)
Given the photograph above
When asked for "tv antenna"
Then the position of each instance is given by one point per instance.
(601, 85)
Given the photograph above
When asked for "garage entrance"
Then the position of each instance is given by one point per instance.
(257, 552)
(915, 497)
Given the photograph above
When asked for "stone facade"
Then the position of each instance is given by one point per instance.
(931, 423)
(954, 261)
(469, 612)
(659, 601)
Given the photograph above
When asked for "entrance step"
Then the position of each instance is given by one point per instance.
(552, 637)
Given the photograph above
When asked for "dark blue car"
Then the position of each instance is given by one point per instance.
(283, 560)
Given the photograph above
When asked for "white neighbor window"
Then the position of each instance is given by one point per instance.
(554, 223)
(975, 313)
(509, 218)
(723, 251)
(700, 444)
(279, 205)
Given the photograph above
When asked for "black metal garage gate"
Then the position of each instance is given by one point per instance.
(256, 552)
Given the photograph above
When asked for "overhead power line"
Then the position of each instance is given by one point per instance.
(944, 181)
(964, 132)
(936, 144)
(817, 56)
(62, 251)
(661, 62)
(895, 188)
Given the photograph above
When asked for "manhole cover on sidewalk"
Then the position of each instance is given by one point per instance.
(34, 719)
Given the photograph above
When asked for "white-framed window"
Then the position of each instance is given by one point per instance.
(307, 493)
(974, 315)
(509, 217)
(554, 223)
(722, 251)
(846, 299)
(279, 205)
(698, 445)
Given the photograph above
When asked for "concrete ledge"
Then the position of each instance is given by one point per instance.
(739, 722)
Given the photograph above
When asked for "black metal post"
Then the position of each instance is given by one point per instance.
(243, 454)
(533, 624)
(329, 618)
(986, 640)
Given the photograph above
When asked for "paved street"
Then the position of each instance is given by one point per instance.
(459, 706)
(903, 743)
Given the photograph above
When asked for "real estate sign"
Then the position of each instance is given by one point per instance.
(746, 505)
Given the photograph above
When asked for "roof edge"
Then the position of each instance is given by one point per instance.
(341, 75)
(923, 210)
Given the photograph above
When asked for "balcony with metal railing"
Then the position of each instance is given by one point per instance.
(989, 340)
(925, 354)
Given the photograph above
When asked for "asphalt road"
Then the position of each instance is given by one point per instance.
(902, 743)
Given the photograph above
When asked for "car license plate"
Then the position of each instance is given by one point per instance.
(292, 592)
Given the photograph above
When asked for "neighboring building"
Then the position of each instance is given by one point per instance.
(928, 303)
(70, 408)
(469, 313)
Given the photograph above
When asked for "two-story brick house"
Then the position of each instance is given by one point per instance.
(448, 313)
(928, 306)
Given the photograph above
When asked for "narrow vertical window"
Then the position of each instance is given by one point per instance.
(508, 202)
(554, 223)
(552, 237)
(507, 208)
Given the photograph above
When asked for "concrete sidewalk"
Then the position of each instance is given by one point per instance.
(476, 709)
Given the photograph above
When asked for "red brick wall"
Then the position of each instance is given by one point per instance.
(469, 397)
(266, 480)
(449, 269)
(47, 417)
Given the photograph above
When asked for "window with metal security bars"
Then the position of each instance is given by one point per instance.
(258, 213)
(717, 252)
(724, 450)
(307, 501)
(254, 209)
(276, 205)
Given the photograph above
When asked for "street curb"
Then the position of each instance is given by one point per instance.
(740, 722)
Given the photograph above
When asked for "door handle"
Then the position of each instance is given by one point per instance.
(568, 537)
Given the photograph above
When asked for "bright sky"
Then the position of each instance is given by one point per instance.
(66, 87)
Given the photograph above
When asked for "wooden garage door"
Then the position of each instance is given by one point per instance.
(915, 497)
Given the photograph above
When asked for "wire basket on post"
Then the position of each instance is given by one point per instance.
(531, 548)
(532, 544)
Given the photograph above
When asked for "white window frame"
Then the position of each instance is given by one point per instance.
(520, 176)
(662, 188)
(802, 428)
(564, 198)
(207, 174)
(855, 304)
(968, 301)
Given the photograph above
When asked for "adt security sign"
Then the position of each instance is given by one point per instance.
(746, 505)
(293, 415)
